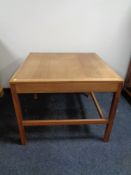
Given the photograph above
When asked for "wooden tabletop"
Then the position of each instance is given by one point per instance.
(64, 67)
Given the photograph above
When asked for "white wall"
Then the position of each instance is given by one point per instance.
(101, 26)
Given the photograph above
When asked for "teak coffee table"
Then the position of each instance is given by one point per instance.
(65, 73)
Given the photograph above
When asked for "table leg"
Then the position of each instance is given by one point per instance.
(18, 112)
(112, 113)
(35, 96)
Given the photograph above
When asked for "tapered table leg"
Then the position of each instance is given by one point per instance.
(112, 113)
(18, 111)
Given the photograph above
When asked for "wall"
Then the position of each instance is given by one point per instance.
(102, 26)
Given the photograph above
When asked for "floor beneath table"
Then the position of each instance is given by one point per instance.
(62, 150)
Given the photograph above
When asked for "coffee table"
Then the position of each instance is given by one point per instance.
(65, 73)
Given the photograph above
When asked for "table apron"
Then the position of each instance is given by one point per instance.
(67, 87)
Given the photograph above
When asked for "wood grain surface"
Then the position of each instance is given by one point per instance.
(64, 67)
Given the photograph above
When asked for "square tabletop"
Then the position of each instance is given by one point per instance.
(64, 67)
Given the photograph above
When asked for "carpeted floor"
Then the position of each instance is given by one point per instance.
(64, 150)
